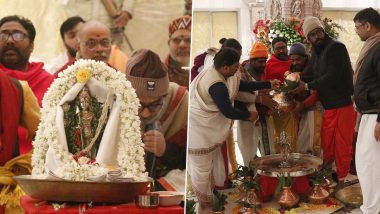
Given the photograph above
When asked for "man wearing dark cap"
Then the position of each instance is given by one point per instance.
(332, 79)
(308, 109)
(179, 50)
(163, 114)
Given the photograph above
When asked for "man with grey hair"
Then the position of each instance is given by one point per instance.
(94, 42)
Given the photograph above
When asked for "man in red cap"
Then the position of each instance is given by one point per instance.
(179, 50)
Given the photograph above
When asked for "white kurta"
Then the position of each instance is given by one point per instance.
(367, 160)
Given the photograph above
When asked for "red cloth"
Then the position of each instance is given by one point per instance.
(39, 81)
(31, 205)
(70, 62)
(338, 128)
(268, 186)
(223, 150)
(9, 117)
(311, 100)
(199, 61)
(276, 68)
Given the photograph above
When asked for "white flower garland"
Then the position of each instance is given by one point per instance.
(130, 155)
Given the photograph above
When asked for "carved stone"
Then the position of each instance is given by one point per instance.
(275, 9)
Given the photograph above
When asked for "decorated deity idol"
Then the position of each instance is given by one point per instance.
(89, 125)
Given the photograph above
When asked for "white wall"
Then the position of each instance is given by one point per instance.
(245, 35)
(349, 5)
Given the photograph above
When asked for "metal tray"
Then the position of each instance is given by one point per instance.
(80, 191)
(302, 164)
(350, 195)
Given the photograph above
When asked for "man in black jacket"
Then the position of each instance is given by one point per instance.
(367, 101)
(332, 79)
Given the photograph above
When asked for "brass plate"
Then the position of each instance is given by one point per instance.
(301, 164)
(351, 196)
(80, 191)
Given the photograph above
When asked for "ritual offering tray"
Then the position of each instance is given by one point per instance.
(82, 191)
(294, 165)
(350, 195)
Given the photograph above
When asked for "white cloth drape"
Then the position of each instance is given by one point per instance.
(107, 152)
(367, 160)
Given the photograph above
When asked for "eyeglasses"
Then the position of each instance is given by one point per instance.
(152, 107)
(177, 41)
(16, 36)
(318, 32)
(92, 43)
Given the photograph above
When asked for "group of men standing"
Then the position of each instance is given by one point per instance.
(328, 99)
(325, 100)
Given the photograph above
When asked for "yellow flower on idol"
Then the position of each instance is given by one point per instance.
(83, 75)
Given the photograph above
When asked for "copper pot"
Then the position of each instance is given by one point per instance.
(253, 198)
(288, 198)
(318, 194)
(327, 183)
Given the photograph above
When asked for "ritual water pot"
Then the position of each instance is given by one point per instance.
(288, 198)
(318, 194)
(327, 184)
(254, 199)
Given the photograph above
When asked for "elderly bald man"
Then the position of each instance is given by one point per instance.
(94, 42)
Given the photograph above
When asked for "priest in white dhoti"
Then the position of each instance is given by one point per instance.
(211, 115)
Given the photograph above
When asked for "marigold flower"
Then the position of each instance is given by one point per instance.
(83, 75)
